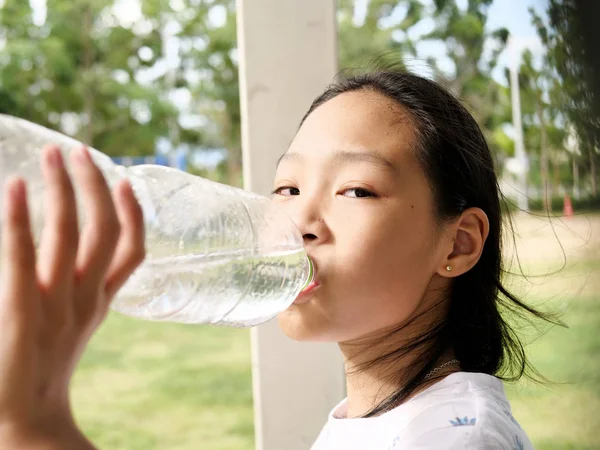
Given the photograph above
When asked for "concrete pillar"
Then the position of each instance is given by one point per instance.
(288, 55)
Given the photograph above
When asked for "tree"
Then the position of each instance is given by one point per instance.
(204, 36)
(381, 32)
(534, 111)
(77, 72)
(463, 32)
(18, 55)
(211, 50)
(566, 54)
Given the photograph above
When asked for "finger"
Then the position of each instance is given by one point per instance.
(99, 237)
(19, 280)
(19, 301)
(130, 250)
(58, 249)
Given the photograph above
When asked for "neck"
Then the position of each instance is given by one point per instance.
(380, 365)
(368, 384)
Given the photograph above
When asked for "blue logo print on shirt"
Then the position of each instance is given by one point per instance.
(463, 422)
(518, 443)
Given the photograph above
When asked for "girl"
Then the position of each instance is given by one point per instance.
(392, 184)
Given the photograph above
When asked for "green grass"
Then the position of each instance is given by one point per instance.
(145, 386)
(563, 414)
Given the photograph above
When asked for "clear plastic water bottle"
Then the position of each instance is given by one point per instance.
(215, 254)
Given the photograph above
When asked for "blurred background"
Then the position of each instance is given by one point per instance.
(157, 81)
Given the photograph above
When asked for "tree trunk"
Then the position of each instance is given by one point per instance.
(546, 187)
(575, 180)
(234, 166)
(593, 170)
(88, 59)
(234, 160)
(556, 175)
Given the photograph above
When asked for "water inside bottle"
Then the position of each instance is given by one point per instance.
(235, 288)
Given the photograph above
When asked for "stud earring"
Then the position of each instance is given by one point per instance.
(448, 268)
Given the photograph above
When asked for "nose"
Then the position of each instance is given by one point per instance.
(308, 213)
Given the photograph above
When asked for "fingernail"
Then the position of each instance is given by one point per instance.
(17, 189)
(82, 155)
(127, 186)
(55, 158)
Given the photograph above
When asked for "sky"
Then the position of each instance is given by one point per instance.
(514, 15)
(510, 14)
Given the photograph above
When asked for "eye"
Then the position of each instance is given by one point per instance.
(358, 193)
(286, 191)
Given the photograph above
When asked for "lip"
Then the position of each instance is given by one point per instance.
(305, 294)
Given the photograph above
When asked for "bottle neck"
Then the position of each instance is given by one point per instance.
(311, 273)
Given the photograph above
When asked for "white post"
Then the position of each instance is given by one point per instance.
(288, 55)
(520, 154)
(572, 146)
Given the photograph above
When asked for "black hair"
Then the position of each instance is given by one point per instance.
(457, 161)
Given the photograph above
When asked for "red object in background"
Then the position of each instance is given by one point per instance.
(567, 207)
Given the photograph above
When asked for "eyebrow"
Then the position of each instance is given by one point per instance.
(344, 156)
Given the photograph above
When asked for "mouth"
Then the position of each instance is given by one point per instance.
(305, 293)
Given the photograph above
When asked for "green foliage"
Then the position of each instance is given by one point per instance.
(218, 94)
(381, 32)
(83, 63)
(580, 206)
(464, 34)
(209, 70)
(571, 92)
(501, 141)
(68, 66)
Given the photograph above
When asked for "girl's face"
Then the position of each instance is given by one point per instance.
(352, 183)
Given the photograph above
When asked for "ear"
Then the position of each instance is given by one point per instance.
(469, 234)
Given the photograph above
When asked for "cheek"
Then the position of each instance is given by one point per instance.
(388, 271)
(392, 247)
(378, 270)
(381, 271)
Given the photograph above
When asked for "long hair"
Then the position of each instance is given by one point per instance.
(457, 161)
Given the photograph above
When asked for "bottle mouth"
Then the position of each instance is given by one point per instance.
(311, 274)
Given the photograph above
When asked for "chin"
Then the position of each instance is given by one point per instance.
(300, 323)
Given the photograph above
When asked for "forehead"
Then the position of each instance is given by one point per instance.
(357, 121)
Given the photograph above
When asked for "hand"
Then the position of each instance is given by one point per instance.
(50, 305)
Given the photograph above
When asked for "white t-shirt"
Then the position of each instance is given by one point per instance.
(463, 411)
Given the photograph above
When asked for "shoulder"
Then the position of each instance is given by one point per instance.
(464, 411)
